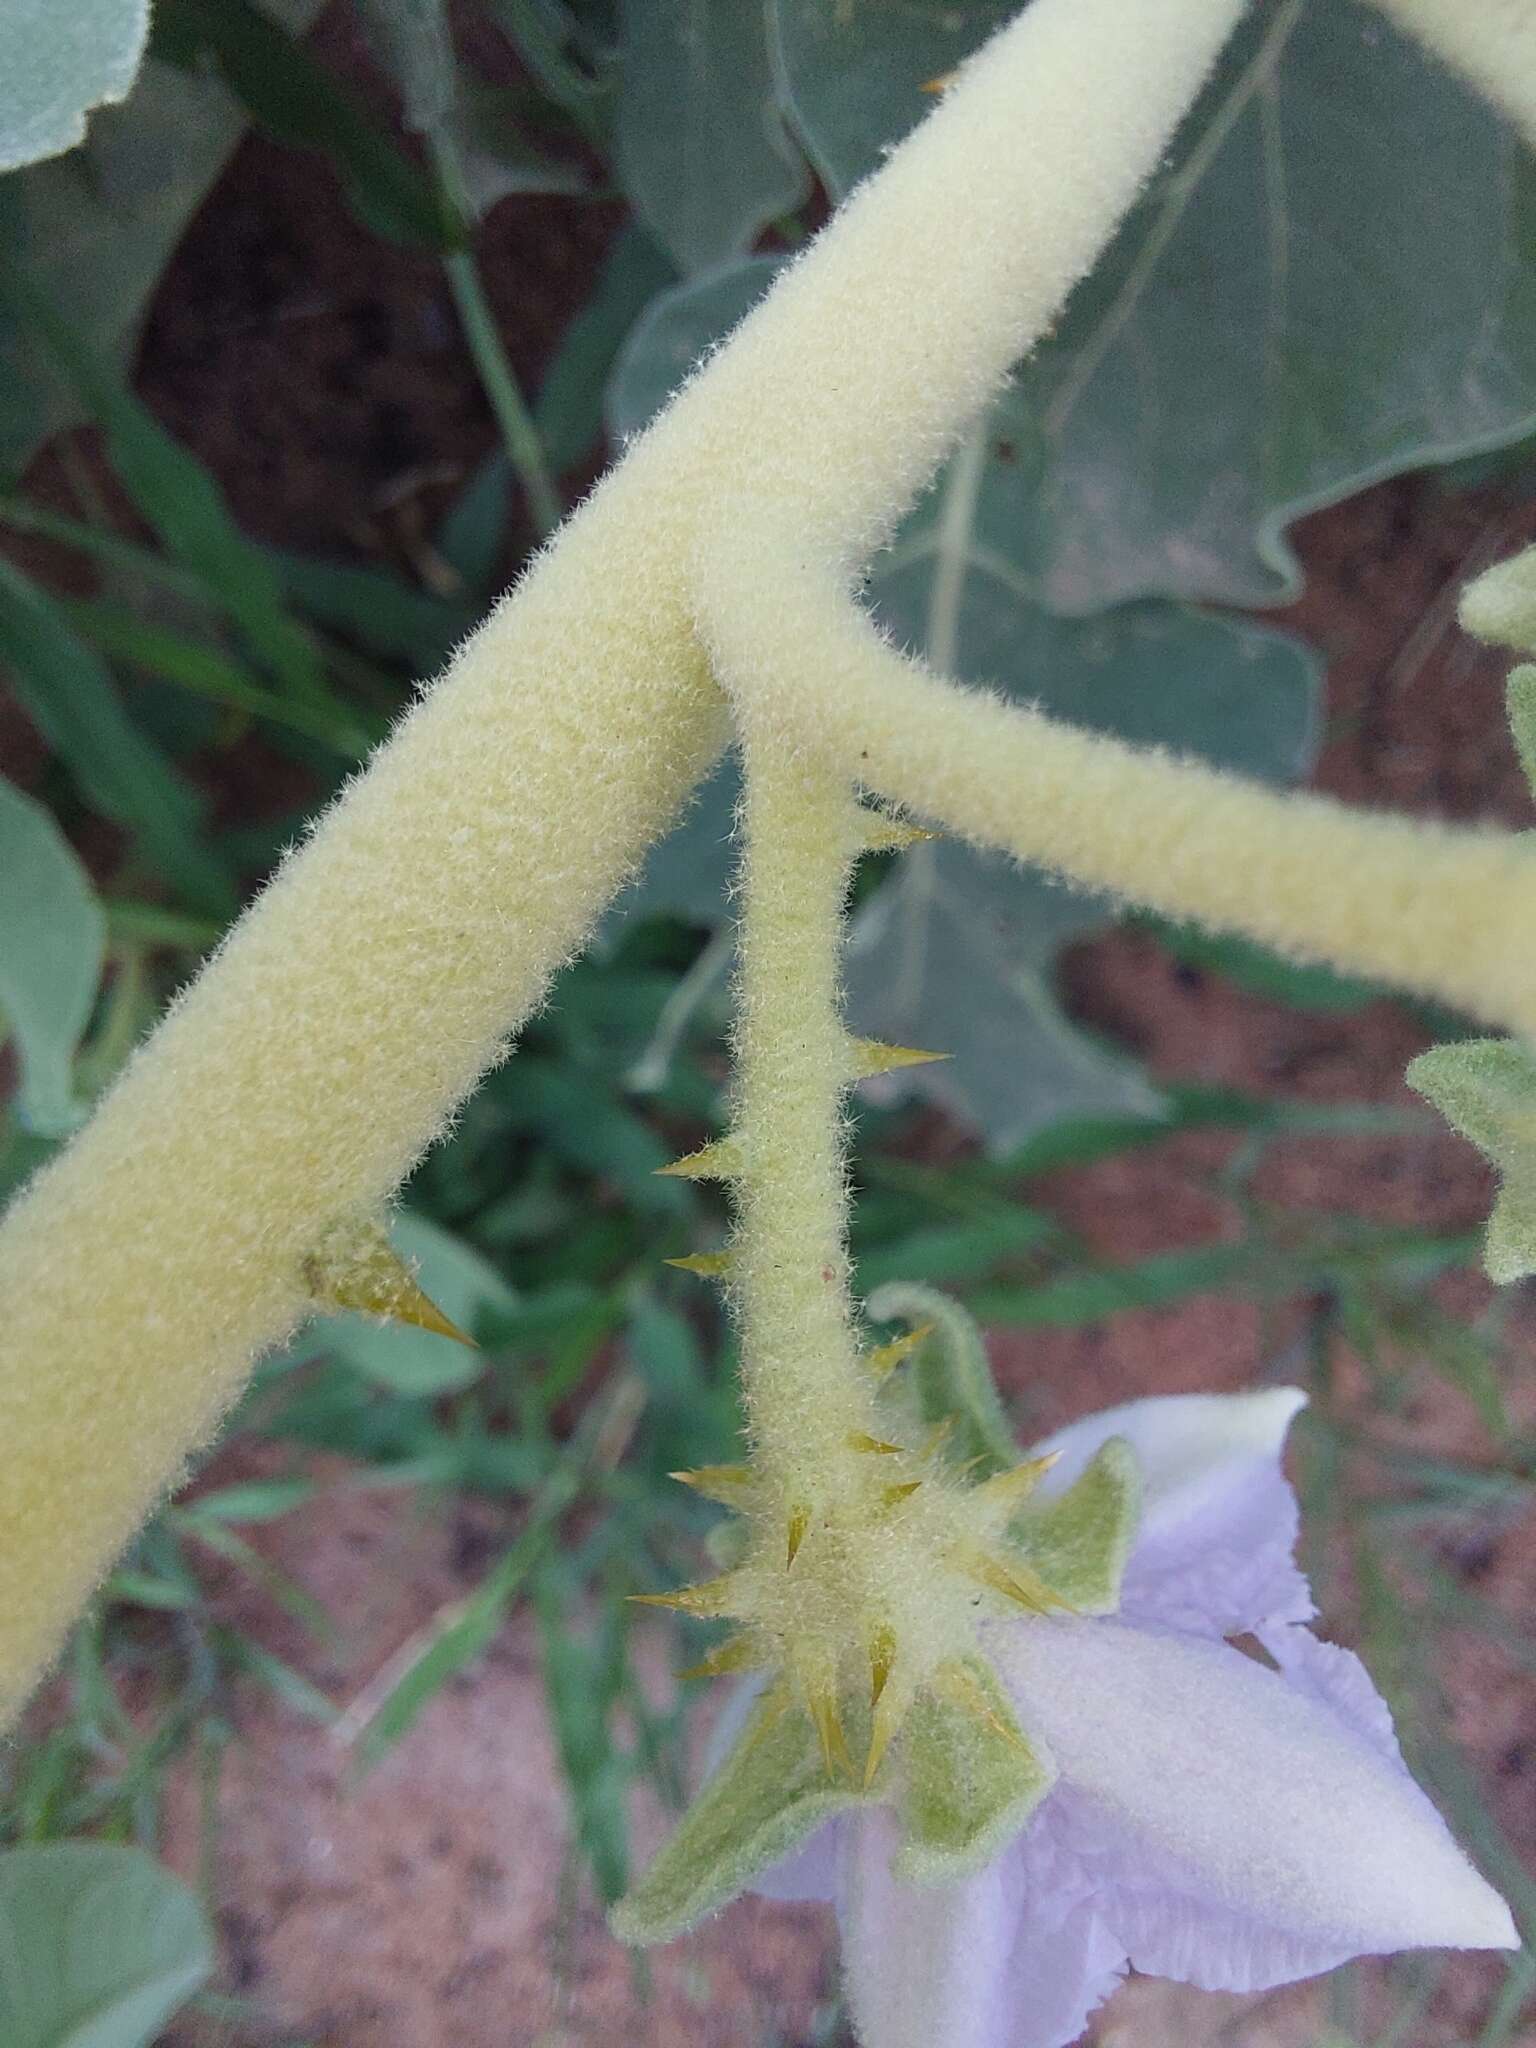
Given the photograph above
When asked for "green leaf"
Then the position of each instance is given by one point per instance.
(70, 698)
(52, 944)
(99, 1946)
(414, 41)
(205, 672)
(179, 497)
(57, 62)
(1486, 1089)
(702, 150)
(771, 1791)
(957, 953)
(96, 227)
(255, 1500)
(970, 1780)
(1341, 243)
(379, 610)
(948, 1377)
(1079, 1542)
(476, 141)
(672, 335)
(492, 157)
(852, 78)
(593, 1129)
(299, 102)
(583, 1677)
(569, 410)
(463, 1285)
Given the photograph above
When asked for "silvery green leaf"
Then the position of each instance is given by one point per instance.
(702, 148)
(852, 78)
(1337, 243)
(97, 226)
(673, 333)
(52, 942)
(413, 39)
(99, 1946)
(59, 59)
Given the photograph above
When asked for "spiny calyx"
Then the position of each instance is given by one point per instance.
(861, 1608)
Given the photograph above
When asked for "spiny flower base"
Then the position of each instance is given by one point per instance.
(862, 1611)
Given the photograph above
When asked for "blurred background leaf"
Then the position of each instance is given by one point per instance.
(97, 226)
(57, 64)
(99, 1946)
(702, 148)
(52, 944)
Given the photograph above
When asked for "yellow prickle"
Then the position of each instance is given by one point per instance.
(821, 1704)
(861, 1440)
(871, 1056)
(903, 1490)
(882, 1655)
(705, 1601)
(953, 1682)
(885, 1706)
(358, 1268)
(799, 1522)
(741, 1653)
(1013, 1579)
(720, 1161)
(728, 1484)
(937, 1437)
(879, 832)
(885, 1358)
(406, 1302)
(708, 1265)
(1009, 1490)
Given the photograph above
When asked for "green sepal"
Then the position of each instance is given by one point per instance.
(948, 1376)
(1520, 704)
(1079, 1543)
(1486, 1089)
(770, 1793)
(967, 1786)
(1500, 605)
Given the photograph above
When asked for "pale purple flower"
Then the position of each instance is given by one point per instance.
(1217, 1819)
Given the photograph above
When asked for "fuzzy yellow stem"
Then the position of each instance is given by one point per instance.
(330, 1039)
(805, 1395)
(1441, 910)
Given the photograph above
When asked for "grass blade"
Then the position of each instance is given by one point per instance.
(71, 699)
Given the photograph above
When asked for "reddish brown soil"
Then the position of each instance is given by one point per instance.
(324, 380)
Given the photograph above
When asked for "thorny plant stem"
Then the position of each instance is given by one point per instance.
(790, 1261)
